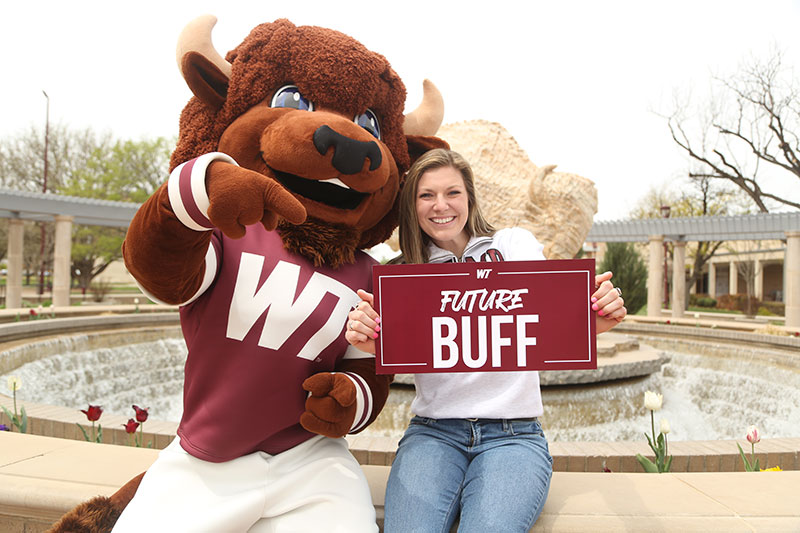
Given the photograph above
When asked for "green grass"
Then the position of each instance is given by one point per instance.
(713, 310)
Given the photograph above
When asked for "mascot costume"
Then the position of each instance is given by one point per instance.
(289, 162)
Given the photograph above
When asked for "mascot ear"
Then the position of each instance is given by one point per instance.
(205, 71)
(419, 144)
(204, 79)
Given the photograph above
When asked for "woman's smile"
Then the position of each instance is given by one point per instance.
(443, 208)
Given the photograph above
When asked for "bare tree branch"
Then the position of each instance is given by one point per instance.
(753, 122)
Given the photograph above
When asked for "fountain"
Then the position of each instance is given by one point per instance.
(706, 397)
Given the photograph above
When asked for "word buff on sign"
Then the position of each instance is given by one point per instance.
(447, 350)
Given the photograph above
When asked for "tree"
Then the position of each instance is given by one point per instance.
(22, 156)
(32, 249)
(748, 134)
(3, 238)
(630, 273)
(94, 248)
(128, 171)
(82, 163)
(125, 171)
(702, 198)
(749, 269)
(22, 168)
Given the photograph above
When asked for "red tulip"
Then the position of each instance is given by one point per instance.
(131, 426)
(94, 412)
(141, 414)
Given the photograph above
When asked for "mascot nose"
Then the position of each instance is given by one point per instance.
(348, 154)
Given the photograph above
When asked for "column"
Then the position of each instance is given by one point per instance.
(733, 278)
(655, 276)
(791, 273)
(712, 280)
(678, 278)
(62, 257)
(14, 279)
(759, 272)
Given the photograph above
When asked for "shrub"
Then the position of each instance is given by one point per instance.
(630, 273)
(737, 302)
(701, 300)
(706, 302)
(776, 308)
(100, 289)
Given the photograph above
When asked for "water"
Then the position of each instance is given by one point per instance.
(148, 374)
(705, 397)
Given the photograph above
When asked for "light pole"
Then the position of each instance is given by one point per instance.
(665, 209)
(44, 189)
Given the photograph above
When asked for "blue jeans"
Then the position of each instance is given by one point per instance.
(494, 473)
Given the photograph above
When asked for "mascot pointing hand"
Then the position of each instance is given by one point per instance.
(289, 161)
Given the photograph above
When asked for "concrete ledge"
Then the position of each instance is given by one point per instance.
(711, 330)
(26, 329)
(41, 478)
(688, 456)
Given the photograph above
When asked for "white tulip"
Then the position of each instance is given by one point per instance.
(664, 426)
(652, 401)
(14, 383)
(753, 435)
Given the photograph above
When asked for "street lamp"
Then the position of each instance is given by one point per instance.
(44, 189)
(665, 209)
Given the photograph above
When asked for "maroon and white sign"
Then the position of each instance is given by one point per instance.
(479, 317)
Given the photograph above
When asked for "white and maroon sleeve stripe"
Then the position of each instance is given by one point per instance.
(212, 265)
(363, 401)
(187, 190)
(212, 262)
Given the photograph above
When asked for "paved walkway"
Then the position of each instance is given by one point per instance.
(42, 477)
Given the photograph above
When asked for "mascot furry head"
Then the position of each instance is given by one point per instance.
(315, 110)
(289, 162)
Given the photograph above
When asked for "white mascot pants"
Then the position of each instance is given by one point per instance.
(315, 486)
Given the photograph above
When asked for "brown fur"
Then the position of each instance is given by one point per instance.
(333, 70)
(99, 514)
(323, 243)
(342, 78)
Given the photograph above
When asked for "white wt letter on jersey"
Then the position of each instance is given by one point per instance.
(284, 315)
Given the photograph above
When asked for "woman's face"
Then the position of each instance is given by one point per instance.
(443, 208)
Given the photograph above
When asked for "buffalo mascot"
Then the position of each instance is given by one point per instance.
(289, 161)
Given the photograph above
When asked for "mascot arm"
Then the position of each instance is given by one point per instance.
(345, 401)
(167, 244)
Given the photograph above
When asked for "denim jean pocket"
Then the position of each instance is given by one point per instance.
(527, 427)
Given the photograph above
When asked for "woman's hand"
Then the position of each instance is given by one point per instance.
(363, 324)
(607, 302)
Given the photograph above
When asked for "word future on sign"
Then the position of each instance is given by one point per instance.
(479, 317)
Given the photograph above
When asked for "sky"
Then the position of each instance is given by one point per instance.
(578, 84)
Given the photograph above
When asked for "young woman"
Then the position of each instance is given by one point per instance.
(474, 448)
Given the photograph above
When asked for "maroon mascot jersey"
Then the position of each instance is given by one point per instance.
(263, 320)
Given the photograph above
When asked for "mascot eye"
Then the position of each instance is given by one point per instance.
(369, 121)
(289, 96)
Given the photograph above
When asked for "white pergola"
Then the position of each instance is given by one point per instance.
(778, 226)
(18, 206)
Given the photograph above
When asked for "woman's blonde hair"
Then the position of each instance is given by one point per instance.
(413, 241)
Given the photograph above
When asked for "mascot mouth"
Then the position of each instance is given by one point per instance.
(329, 192)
